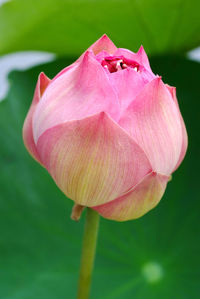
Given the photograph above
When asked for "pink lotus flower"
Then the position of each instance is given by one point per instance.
(108, 131)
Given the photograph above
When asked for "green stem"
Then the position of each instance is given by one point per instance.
(88, 253)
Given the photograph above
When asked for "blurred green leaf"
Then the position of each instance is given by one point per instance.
(154, 257)
(68, 27)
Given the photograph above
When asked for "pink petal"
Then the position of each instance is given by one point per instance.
(103, 44)
(153, 121)
(92, 160)
(138, 201)
(42, 84)
(128, 84)
(184, 132)
(82, 91)
(140, 56)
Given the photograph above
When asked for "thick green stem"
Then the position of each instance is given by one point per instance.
(88, 253)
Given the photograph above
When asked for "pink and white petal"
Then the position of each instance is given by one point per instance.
(42, 83)
(184, 132)
(138, 201)
(128, 83)
(153, 121)
(92, 160)
(103, 44)
(82, 91)
(140, 56)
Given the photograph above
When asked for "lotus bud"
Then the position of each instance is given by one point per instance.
(108, 130)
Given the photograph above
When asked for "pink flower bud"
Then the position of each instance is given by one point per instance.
(108, 131)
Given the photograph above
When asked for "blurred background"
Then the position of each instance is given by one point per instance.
(156, 256)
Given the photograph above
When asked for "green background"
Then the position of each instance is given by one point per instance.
(156, 256)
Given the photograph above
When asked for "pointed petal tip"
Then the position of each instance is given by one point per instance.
(143, 57)
(43, 82)
(105, 36)
(42, 77)
(141, 49)
(159, 78)
(172, 91)
(156, 82)
(142, 52)
(86, 55)
(103, 43)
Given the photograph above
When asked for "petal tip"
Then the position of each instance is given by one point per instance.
(172, 91)
(103, 43)
(105, 36)
(143, 57)
(141, 50)
(156, 82)
(43, 81)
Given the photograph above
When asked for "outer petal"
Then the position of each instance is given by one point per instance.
(153, 121)
(82, 91)
(103, 44)
(184, 132)
(93, 160)
(140, 56)
(42, 84)
(138, 201)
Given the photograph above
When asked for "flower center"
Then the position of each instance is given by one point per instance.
(118, 63)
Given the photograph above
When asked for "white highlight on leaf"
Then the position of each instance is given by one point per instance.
(3, 2)
(152, 272)
(194, 54)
